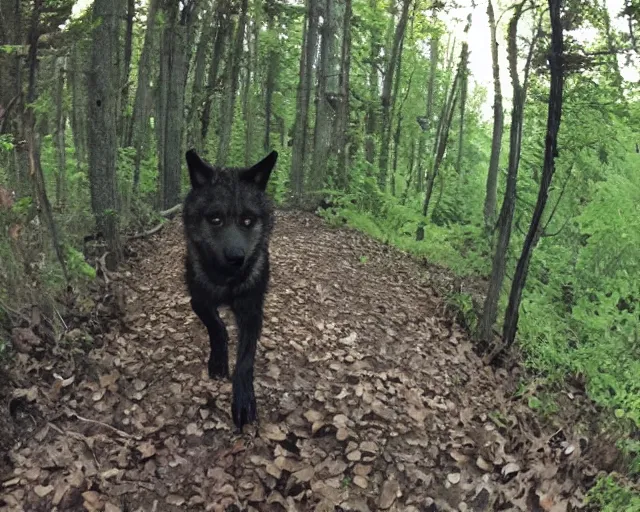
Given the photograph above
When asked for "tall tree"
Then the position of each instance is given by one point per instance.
(194, 135)
(138, 135)
(223, 29)
(556, 66)
(498, 127)
(126, 70)
(387, 88)
(172, 83)
(309, 46)
(273, 63)
(103, 83)
(32, 141)
(463, 106)
(372, 100)
(342, 115)
(326, 90)
(505, 220)
(231, 87)
(442, 137)
(59, 134)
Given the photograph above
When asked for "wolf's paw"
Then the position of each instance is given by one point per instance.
(243, 404)
(218, 369)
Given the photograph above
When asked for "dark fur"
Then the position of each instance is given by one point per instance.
(228, 264)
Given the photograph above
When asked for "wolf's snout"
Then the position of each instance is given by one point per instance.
(234, 256)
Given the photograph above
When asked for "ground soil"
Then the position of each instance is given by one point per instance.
(369, 398)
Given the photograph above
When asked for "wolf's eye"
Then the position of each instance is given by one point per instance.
(216, 220)
(247, 221)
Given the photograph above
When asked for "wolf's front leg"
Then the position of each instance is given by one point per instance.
(218, 337)
(248, 311)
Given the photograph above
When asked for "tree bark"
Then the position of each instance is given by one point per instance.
(556, 65)
(139, 132)
(324, 112)
(123, 124)
(443, 136)
(342, 116)
(194, 135)
(78, 83)
(231, 88)
(387, 98)
(59, 135)
(463, 105)
(371, 121)
(300, 135)
(103, 83)
(33, 144)
(434, 50)
(223, 28)
(172, 93)
(273, 62)
(505, 220)
(498, 128)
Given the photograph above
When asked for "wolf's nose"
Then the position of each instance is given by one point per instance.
(234, 256)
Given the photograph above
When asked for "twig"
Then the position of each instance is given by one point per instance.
(145, 234)
(168, 213)
(95, 422)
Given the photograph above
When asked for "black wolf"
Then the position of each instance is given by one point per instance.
(227, 222)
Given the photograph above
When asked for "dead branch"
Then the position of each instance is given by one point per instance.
(147, 233)
(171, 211)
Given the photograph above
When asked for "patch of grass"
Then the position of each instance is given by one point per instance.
(610, 496)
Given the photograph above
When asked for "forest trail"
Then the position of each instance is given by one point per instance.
(368, 399)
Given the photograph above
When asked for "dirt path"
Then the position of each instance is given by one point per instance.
(368, 400)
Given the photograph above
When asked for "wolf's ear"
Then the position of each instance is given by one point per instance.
(199, 172)
(259, 173)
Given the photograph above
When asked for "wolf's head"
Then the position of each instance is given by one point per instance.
(227, 214)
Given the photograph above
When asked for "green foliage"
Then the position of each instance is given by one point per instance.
(610, 496)
(78, 268)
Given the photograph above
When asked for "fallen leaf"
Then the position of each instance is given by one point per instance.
(174, 499)
(510, 468)
(147, 450)
(272, 432)
(453, 478)
(360, 481)
(313, 416)
(388, 494)
(42, 490)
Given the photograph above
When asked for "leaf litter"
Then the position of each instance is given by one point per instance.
(369, 399)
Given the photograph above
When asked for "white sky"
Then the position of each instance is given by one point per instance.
(480, 50)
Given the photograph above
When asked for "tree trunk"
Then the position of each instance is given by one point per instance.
(273, 61)
(307, 56)
(194, 135)
(324, 112)
(434, 50)
(139, 132)
(59, 135)
(128, 50)
(371, 121)
(342, 116)
(223, 28)
(78, 83)
(173, 84)
(33, 144)
(498, 128)
(556, 65)
(505, 220)
(229, 101)
(441, 140)
(463, 105)
(387, 99)
(103, 83)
